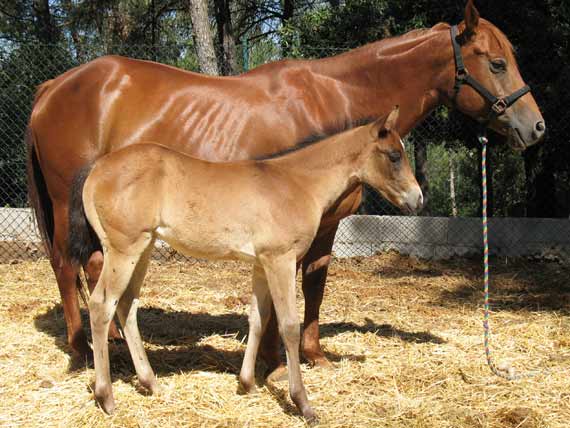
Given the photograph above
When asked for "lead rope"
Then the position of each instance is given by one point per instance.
(504, 370)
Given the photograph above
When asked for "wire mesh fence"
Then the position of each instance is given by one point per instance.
(443, 147)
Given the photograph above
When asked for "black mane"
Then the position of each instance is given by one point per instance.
(318, 137)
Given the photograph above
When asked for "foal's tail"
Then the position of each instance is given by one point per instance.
(83, 240)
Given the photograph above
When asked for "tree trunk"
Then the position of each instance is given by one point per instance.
(154, 30)
(288, 10)
(452, 185)
(226, 38)
(203, 37)
(77, 42)
(46, 30)
(420, 155)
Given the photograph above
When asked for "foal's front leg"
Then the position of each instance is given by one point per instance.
(259, 315)
(280, 273)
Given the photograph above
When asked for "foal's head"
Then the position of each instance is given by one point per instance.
(387, 167)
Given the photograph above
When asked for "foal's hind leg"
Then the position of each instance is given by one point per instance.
(280, 272)
(92, 271)
(258, 317)
(114, 280)
(127, 313)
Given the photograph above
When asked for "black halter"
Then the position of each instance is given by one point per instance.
(462, 76)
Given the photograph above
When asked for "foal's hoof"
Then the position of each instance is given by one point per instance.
(247, 387)
(107, 403)
(150, 386)
(311, 417)
(278, 375)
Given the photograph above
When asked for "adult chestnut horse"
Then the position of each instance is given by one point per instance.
(112, 102)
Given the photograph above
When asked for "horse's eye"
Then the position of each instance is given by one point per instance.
(394, 156)
(498, 65)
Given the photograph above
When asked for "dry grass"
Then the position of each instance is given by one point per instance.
(405, 338)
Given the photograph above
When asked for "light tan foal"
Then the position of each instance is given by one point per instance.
(265, 212)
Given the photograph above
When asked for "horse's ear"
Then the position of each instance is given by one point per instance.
(471, 19)
(392, 119)
(386, 123)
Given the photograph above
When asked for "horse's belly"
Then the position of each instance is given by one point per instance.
(220, 245)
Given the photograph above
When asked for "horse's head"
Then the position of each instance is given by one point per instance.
(387, 167)
(490, 63)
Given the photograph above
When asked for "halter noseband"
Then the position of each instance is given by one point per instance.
(462, 76)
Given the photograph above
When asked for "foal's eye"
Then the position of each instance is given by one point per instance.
(394, 156)
(498, 65)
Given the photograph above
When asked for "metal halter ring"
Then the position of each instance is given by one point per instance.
(500, 106)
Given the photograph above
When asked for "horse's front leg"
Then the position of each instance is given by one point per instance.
(280, 273)
(269, 349)
(315, 268)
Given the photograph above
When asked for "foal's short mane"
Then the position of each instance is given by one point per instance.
(318, 137)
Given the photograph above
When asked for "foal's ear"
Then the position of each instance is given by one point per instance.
(471, 20)
(385, 124)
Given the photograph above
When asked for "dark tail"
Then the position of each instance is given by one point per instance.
(83, 240)
(37, 193)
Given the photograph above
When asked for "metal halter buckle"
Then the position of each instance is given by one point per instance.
(499, 106)
(461, 74)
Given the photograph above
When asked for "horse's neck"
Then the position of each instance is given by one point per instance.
(410, 71)
(327, 168)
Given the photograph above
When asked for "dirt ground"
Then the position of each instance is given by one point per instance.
(404, 336)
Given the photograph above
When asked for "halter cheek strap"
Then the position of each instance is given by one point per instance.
(462, 76)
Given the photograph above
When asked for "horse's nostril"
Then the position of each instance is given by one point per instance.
(540, 127)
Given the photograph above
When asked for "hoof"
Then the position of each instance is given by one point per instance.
(107, 403)
(80, 346)
(311, 417)
(321, 362)
(246, 387)
(151, 386)
(316, 359)
(278, 375)
(114, 333)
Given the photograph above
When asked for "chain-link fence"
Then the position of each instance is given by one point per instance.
(443, 148)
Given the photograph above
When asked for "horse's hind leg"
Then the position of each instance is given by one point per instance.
(280, 273)
(66, 276)
(258, 317)
(114, 280)
(127, 313)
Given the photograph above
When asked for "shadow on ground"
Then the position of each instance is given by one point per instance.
(177, 336)
(516, 286)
